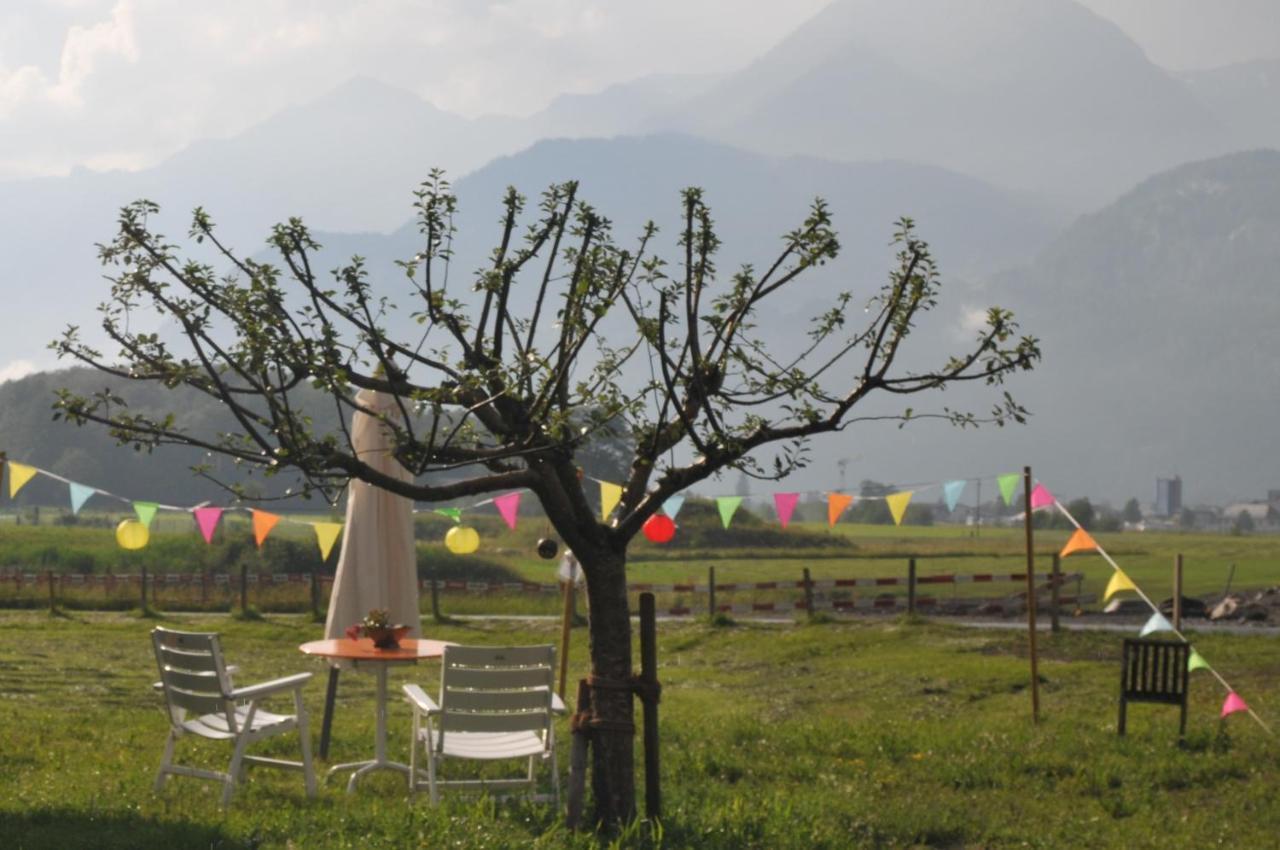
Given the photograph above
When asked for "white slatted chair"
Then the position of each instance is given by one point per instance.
(195, 680)
(495, 704)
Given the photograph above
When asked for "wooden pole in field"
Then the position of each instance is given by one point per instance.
(649, 705)
(808, 594)
(244, 587)
(911, 587)
(711, 593)
(566, 623)
(1177, 592)
(1031, 596)
(1055, 595)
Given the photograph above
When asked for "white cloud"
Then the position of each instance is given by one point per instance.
(130, 82)
(16, 369)
(971, 322)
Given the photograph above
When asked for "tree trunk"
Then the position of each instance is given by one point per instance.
(612, 754)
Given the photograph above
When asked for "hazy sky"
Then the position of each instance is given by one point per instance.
(122, 83)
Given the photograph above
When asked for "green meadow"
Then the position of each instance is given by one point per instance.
(875, 733)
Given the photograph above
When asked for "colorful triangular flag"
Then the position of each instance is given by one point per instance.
(610, 495)
(1041, 497)
(897, 503)
(1080, 542)
(1196, 662)
(1119, 581)
(326, 534)
(951, 492)
(79, 495)
(785, 503)
(1008, 485)
(263, 522)
(1157, 623)
(19, 475)
(837, 503)
(727, 505)
(1232, 704)
(508, 505)
(454, 514)
(146, 512)
(207, 519)
(672, 505)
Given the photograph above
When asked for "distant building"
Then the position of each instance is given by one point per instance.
(1168, 496)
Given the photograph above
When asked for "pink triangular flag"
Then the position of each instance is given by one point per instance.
(786, 505)
(207, 519)
(1041, 497)
(508, 505)
(1233, 704)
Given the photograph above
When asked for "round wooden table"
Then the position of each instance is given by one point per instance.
(363, 651)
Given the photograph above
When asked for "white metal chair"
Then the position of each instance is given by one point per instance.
(495, 704)
(194, 679)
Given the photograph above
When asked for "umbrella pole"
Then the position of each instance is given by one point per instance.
(330, 695)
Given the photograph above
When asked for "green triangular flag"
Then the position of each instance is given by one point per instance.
(146, 512)
(454, 514)
(1008, 483)
(727, 505)
(1196, 662)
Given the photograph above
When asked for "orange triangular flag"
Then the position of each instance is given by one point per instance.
(1079, 542)
(263, 522)
(837, 503)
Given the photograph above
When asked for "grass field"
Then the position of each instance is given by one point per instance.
(881, 733)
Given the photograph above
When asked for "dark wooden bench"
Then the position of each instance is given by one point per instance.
(1154, 671)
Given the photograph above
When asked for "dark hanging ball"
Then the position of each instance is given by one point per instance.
(547, 548)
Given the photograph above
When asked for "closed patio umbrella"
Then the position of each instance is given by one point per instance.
(377, 565)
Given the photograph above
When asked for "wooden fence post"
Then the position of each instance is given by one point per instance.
(808, 593)
(1031, 596)
(1055, 596)
(53, 596)
(144, 588)
(711, 592)
(244, 588)
(204, 588)
(315, 595)
(649, 701)
(1177, 592)
(911, 587)
(435, 597)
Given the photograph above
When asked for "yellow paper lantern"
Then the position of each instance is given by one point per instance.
(462, 540)
(131, 534)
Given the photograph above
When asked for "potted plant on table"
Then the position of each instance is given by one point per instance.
(377, 626)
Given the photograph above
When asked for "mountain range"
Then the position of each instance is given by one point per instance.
(1008, 129)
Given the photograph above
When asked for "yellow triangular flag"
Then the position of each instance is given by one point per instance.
(326, 535)
(1079, 542)
(1118, 582)
(897, 503)
(19, 474)
(610, 494)
(263, 522)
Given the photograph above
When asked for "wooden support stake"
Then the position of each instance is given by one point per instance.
(1177, 592)
(911, 587)
(711, 592)
(808, 594)
(577, 790)
(566, 623)
(649, 700)
(1055, 595)
(326, 723)
(1031, 596)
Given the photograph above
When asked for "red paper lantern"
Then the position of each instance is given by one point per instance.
(659, 528)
